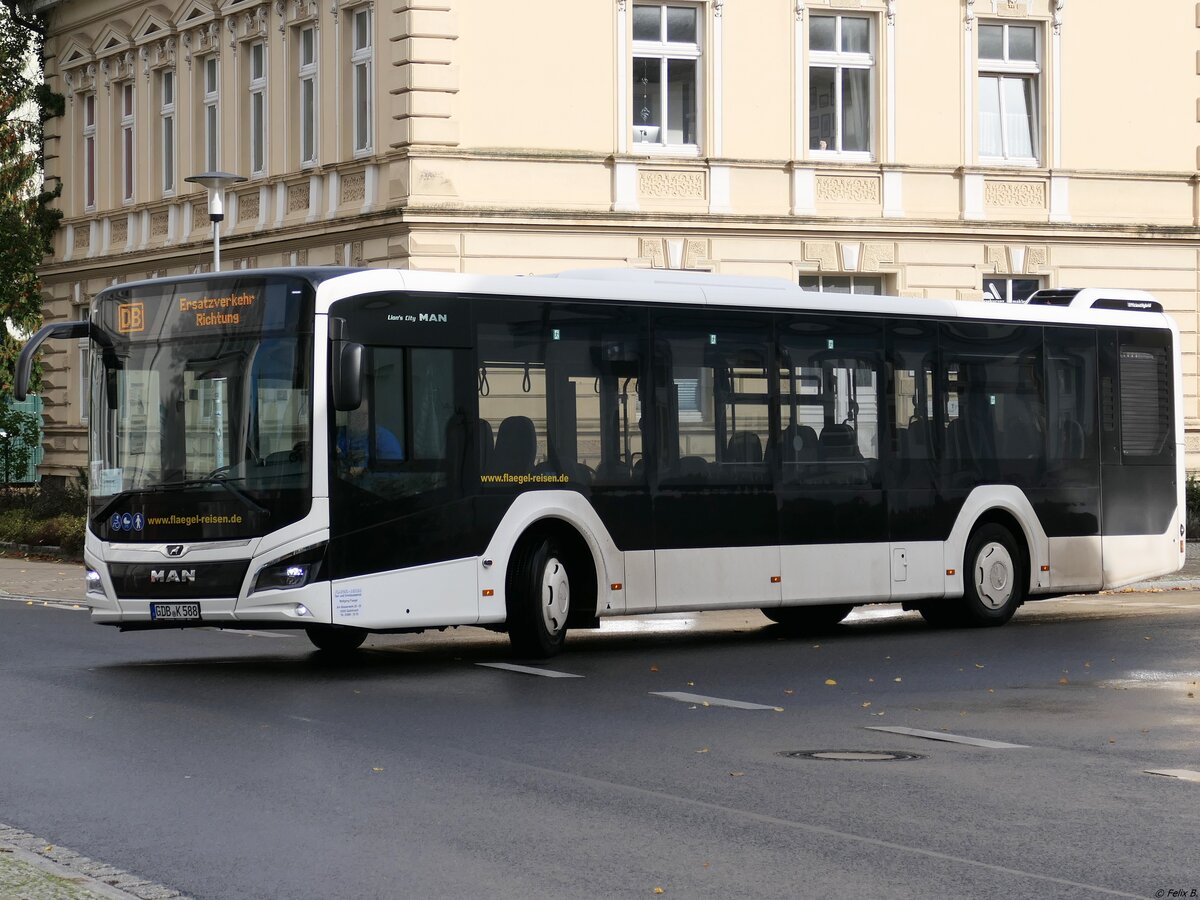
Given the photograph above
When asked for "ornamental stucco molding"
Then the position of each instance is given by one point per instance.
(354, 188)
(671, 185)
(1015, 194)
(1058, 15)
(847, 189)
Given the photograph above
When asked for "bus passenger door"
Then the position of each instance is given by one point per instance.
(715, 523)
(832, 520)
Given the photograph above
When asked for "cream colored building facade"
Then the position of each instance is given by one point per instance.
(938, 148)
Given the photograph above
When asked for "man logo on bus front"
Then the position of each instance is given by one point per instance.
(174, 549)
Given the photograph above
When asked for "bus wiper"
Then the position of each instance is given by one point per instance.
(246, 499)
(165, 486)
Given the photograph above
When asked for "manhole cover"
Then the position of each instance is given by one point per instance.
(852, 755)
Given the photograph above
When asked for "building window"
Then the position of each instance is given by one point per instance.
(840, 84)
(308, 95)
(212, 129)
(125, 93)
(166, 88)
(1009, 290)
(361, 82)
(1009, 68)
(89, 151)
(258, 108)
(666, 75)
(842, 284)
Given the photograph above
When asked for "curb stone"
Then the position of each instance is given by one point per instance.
(62, 874)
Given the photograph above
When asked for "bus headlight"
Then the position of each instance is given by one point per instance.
(292, 571)
(93, 582)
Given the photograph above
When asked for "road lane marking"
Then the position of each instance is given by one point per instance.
(605, 784)
(528, 670)
(1183, 774)
(701, 700)
(949, 738)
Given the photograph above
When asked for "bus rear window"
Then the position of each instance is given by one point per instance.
(1145, 402)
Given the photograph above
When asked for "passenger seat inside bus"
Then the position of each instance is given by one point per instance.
(487, 444)
(516, 446)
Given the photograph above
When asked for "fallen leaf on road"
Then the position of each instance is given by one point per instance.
(736, 774)
(659, 890)
(376, 769)
(654, 668)
(830, 681)
(865, 705)
(780, 708)
(1064, 680)
(702, 750)
(978, 665)
(788, 691)
(897, 680)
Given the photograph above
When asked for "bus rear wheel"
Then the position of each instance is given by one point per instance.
(334, 639)
(993, 583)
(808, 618)
(992, 577)
(538, 597)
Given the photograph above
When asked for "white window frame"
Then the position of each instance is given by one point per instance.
(211, 75)
(88, 106)
(362, 69)
(665, 51)
(167, 86)
(854, 278)
(308, 100)
(1004, 70)
(1007, 282)
(85, 378)
(258, 108)
(127, 99)
(839, 60)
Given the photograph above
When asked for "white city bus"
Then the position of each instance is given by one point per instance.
(387, 451)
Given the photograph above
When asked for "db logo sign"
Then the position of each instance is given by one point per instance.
(131, 317)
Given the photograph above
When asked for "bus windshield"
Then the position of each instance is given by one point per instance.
(199, 431)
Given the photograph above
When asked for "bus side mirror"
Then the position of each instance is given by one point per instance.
(347, 375)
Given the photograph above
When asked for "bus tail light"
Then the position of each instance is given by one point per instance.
(293, 571)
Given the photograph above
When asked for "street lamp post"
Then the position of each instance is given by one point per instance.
(215, 183)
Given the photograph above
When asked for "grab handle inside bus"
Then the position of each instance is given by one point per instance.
(24, 368)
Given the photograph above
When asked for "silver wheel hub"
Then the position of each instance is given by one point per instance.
(994, 575)
(556, 596)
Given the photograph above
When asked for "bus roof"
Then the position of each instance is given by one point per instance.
(1090, 306)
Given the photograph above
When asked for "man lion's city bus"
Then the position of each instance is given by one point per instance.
(365, 451)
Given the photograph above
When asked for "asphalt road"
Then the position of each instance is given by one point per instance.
(231, 766)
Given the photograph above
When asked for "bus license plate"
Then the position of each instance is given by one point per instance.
(177, 612)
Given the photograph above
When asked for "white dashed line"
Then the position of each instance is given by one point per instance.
(701, 700)
(528, 670)
(1183, 774)
(949, 738)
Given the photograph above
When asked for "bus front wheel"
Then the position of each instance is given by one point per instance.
(538, 597)
(333, 639)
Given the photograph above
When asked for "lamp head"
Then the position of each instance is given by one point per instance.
(215, 183)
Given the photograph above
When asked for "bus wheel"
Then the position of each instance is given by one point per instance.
(992, 577)
(808, 618)
(333, 639)
(538, 597)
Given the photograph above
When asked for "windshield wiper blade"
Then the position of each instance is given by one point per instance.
(164, 486)
(246, 499)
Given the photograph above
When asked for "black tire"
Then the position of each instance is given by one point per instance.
(942, 613)
(994, 577)
(335, 639)
(537, 597)
(808, 618)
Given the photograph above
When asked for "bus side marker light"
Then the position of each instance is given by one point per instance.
(1045, 568)
(488, 592)
(615, 586)
(775, 579)
(950, 571)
